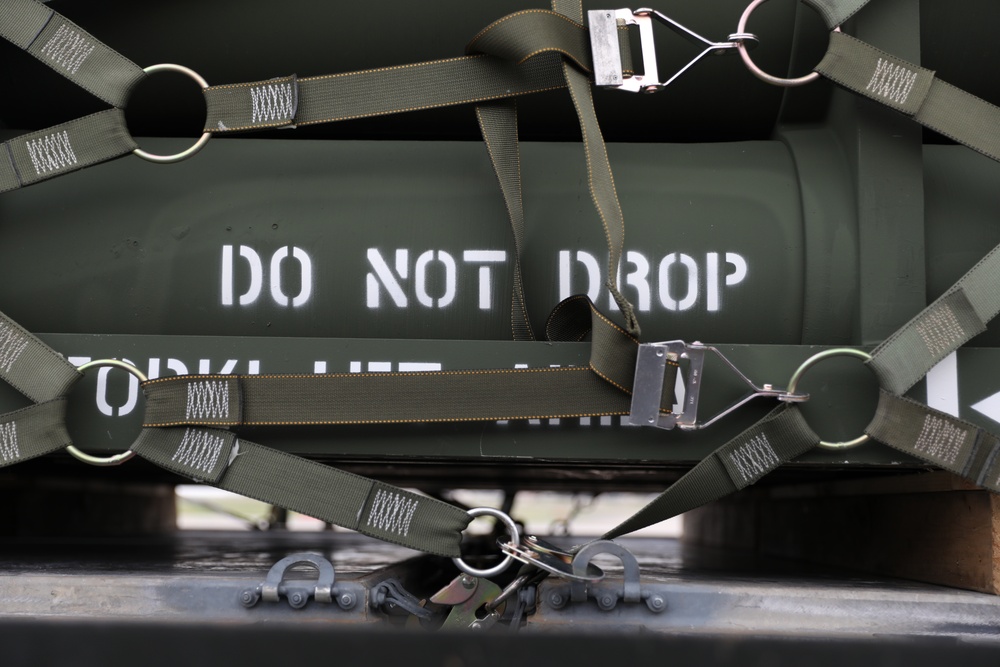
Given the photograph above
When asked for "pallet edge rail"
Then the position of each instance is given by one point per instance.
(526, 52)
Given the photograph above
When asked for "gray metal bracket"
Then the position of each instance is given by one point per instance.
(606, 594)
(298, 592)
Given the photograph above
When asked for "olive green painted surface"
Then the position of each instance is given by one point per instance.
(132, 247)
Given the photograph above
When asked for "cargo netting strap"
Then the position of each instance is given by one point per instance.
(32, 367)
(835, 12)
(938, 438)
(779, 437)
(601, 388)
(69, 49)
(498, 125)
(383, 511)
(941, 328)
(42, 375)
(58, 150)
(291, 101)
(33, 431)
(914, 91)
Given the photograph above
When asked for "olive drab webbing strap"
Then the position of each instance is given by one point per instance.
(498, 125)
(914, 91)
(778, 438)
(42, 375)
(941, 328)
(58, 150)
(945, 441)
(31, 366)
(601, 388)
(835, 12)
(69, 49)
(392, 514)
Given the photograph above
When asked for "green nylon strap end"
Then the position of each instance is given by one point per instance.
(388, 513)
(32, 367)
(33, 431)
(941, 328)
(199, 454)
(252, 106)
(69, 50)
(875, 74)
(914, 91)
(937, 438)
(777, 438)
(63, 148)
(944, 326)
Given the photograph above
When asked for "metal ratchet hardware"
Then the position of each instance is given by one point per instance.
(647, 388)
(604, 44)
(551, 559)
(467, 595)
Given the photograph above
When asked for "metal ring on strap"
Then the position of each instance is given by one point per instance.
(758, 72)
(515, 537)
(116, 459)
(183, 155)
(812, 361)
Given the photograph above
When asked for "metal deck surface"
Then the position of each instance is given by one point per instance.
(198, 577)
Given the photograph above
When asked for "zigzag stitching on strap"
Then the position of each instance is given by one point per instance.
(754, 457)
(272, 102)
(392, 512)
(68, 49)
(9, 450)
(207, 399)
(940, 329)
(51, 152)
(940, 440)
(12, 344)
(199, 450)
(892, 82)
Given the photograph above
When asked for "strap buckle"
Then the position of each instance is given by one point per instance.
(647, 387)
(604, 46)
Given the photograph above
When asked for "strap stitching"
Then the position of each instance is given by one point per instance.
(522, 13)
(346, 422)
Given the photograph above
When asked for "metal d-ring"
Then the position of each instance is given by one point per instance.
(183, 155)
(812, 361)
(758, 72)
(117, 459)
(515, 537)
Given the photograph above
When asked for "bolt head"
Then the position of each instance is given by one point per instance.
(557, 601)
(657, 603)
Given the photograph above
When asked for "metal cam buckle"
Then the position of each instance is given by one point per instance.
(607, 57)
(647, 387)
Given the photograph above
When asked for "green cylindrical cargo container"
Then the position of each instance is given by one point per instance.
(778, 218)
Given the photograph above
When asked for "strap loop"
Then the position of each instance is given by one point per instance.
(116, 459)
(198, 145)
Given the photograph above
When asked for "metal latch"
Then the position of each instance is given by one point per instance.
(647, 387)
(604, 44)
